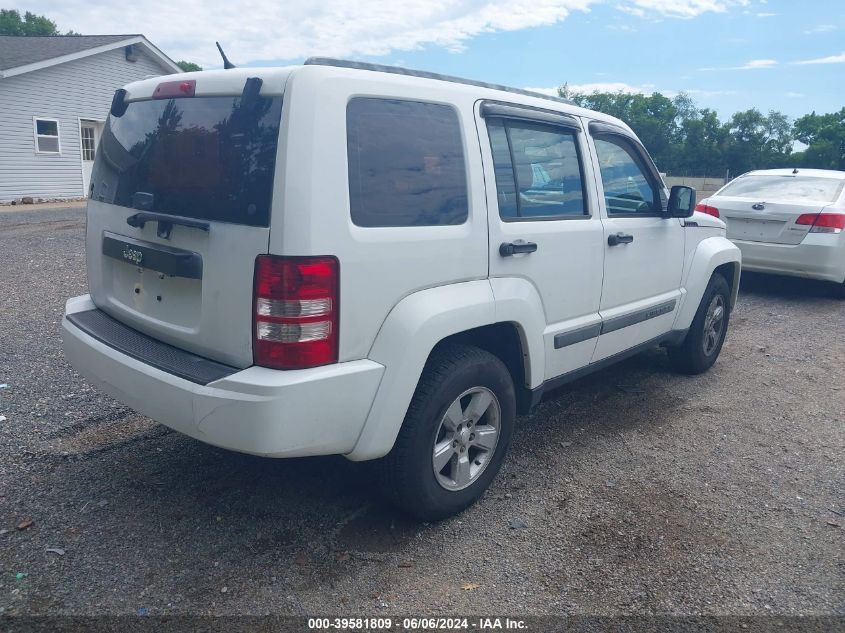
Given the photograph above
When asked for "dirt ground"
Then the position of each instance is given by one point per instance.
(631, 491)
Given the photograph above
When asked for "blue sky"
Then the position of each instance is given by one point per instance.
(728, 54)
(707, 56)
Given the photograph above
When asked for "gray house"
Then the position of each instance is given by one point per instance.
(55, 94)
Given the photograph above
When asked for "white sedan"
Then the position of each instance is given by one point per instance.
(786, 221)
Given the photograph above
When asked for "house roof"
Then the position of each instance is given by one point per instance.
(19, 54)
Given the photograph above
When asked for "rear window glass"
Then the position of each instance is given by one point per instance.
(773, 188)
(210, 158)
(406, 163)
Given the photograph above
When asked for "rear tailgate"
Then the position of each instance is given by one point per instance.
(193, 291)
(772, 222)
(180, 207)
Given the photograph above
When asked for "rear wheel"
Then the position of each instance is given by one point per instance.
(455, 434)
(706, 335)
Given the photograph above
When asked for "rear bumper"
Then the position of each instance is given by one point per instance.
(818, 256)
(318, 411)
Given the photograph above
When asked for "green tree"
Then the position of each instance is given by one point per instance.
(757, 141)
(685, 140)
(702, 144)
(188, 67)
(824, 134)
(655, 118)
(11, 23)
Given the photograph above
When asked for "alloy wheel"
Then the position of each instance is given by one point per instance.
(714, 324)
(466, 438)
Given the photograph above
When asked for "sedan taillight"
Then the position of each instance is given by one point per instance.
(823, 222)
(295, 311)
(706, 208)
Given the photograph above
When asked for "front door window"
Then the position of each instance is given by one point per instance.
(627, 187)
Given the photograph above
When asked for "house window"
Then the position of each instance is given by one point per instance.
(46, 136)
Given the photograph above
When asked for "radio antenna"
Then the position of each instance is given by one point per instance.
(226, 63)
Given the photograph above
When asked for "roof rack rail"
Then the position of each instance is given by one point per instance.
(398, 70)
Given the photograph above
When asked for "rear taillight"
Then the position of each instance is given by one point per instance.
(706, 208)
(822, 222)
(295, 311)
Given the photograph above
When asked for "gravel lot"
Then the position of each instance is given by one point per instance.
(632, 491)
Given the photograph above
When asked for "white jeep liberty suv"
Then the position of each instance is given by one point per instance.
(344, 258)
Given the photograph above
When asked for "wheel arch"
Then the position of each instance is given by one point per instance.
(714, 255)
(507, 342)
(731, 272)
(417, 325)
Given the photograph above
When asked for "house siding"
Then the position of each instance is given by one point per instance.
(80, 89)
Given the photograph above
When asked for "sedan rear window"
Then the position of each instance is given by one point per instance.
(210, 158)
(772, 188)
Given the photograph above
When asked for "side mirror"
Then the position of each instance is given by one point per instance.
(681, 202)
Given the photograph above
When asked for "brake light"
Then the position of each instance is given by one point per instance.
(822, 222)
(175, 89)
(295, 312)
(706, 208)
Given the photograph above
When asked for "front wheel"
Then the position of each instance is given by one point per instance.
(455, 434)
(706, 335)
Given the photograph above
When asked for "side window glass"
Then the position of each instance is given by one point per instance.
(627, 188)
(505, 185)
(538, 171)
(406, 163)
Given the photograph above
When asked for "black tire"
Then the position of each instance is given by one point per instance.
(696, 354)
(838, 291)
(407, 474)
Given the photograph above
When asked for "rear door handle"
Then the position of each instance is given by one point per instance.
(619, 238)
(506, 249)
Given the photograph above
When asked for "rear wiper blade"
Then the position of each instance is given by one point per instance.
(165, 223)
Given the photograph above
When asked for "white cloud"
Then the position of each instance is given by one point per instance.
(608, 86)
(821, 28)
(684, 8)
(646, 89)
(293, 29)
(795, 95)
(756, 64)
(697, 92)
(269, 30)
(766, 15)
(833, 59)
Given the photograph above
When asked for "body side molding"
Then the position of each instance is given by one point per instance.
(671, 338)
(564, 339)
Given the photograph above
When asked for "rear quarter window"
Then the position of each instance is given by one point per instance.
(406, 164)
